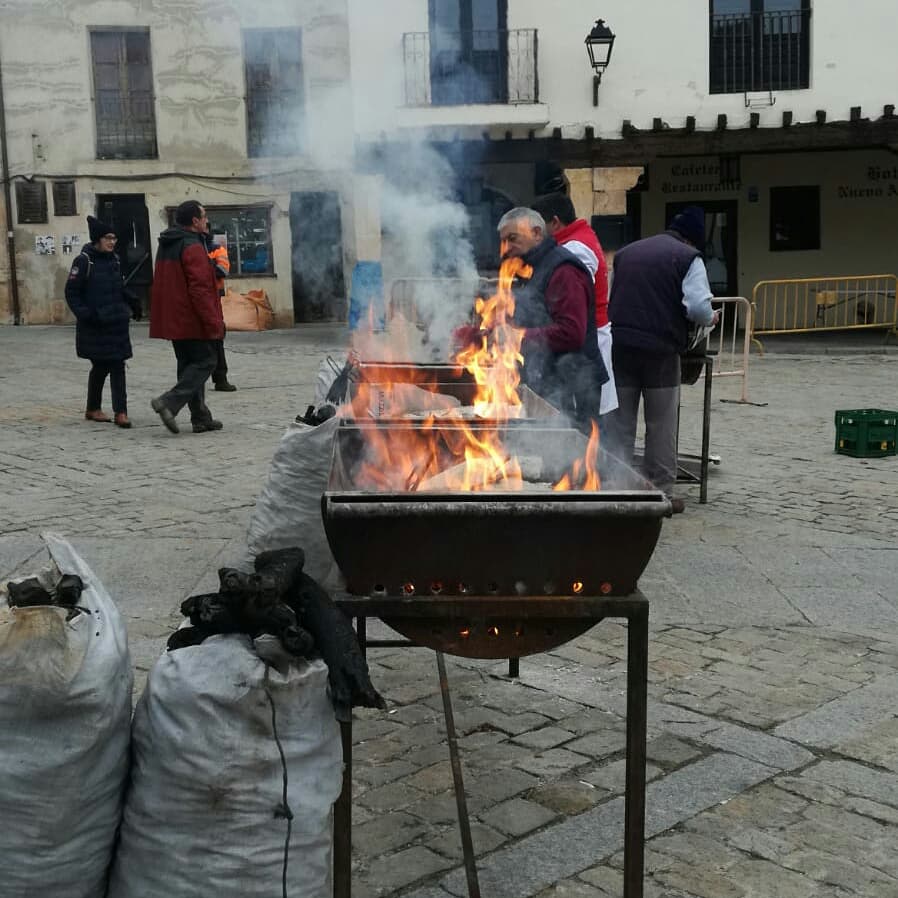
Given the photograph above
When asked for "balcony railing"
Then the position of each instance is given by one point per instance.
(452, 68)
(762, 51)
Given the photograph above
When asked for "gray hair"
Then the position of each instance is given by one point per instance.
(523, 213)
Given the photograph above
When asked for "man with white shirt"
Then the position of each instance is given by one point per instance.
(578, 238)
(660, 285)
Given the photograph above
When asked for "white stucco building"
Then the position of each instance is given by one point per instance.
(123, 109)
(289, 118)
(775, 115)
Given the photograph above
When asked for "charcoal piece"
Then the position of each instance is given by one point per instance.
(69, 589)
(298, 642)
(29, 593)
(185, 637)
(336, 641)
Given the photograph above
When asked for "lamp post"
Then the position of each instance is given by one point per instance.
(599, 44)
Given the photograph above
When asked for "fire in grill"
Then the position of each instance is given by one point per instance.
(491, 574)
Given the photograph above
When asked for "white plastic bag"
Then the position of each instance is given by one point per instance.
(204, 814)
(65, 716)
(288, 510)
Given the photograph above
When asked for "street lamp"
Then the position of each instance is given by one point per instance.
(599, 44)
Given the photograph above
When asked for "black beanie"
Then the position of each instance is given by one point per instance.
(98, 229)
(690, 223)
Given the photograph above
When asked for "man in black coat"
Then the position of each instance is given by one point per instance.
(95, 292)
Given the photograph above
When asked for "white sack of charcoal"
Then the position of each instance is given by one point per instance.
(237, 753)
(288, 510)
(65, 729)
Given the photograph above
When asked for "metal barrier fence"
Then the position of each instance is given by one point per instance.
(801, 305)
(732, 347)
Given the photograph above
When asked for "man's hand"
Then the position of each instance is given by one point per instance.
(715, 318)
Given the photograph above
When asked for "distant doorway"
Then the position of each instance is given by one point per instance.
(721, 243)
(319, 291)
(128, 215)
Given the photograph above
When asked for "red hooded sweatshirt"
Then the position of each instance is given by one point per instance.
(580, 231)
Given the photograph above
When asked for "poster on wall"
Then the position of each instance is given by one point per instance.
(70, 244)
(45, 244)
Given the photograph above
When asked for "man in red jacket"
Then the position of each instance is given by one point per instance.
(577, 237)
(186, 309)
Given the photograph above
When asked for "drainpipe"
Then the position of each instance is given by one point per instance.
(7, 199)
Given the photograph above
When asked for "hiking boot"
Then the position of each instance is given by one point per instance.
(206, 426)
(121, 420)
(97, 415)
(165, 413)
(224, 386)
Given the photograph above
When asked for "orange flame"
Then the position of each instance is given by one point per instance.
(460, 455)
(584, 472)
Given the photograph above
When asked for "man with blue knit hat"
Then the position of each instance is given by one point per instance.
(660, 286)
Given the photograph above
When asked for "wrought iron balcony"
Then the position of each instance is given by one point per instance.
(453, 68)
(760, 51)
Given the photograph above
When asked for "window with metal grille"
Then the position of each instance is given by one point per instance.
(247, 230)
(759, 45)
(31, 202)
(123, 87)
(64, 198)
(794, 218)
(274, 91)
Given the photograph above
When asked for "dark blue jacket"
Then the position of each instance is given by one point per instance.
(95, 293)
(646, 307)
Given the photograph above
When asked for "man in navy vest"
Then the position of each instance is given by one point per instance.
(556, 308)
(660, 285)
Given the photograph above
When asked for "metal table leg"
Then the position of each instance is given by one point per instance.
(343, 821)
(634, 794)
(706, 430)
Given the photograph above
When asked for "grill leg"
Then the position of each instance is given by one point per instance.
(343, 821)
(634, 795)
(514, 667)
(464, 824)
(706, 430)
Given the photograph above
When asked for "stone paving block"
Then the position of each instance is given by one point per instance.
(568, 797)
(379, 774)
(500, 785)
(698, 880)
(877, 746)
(433, 779)
(517, 817)
(393, 796)
(611, 777)
(448, 841)
(393, 871)
(668, 751)
(554, 762)
(545, 737)
(825, 727)
(386, 832)
(599, 744)
(572, 888)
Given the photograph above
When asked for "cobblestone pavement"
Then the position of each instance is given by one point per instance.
(773, 661)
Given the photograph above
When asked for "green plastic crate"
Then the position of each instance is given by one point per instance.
(867, 432)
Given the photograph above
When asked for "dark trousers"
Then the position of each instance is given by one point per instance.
(220, 374)
(196, 362)
(656, 380)
(97, 378)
